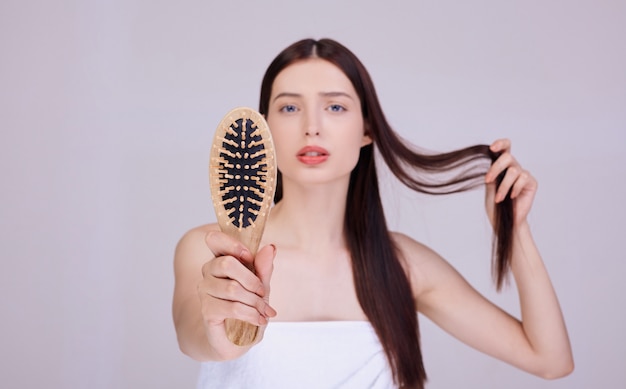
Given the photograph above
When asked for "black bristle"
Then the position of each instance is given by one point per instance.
(242, 172)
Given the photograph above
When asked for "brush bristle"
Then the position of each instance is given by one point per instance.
(242, 168)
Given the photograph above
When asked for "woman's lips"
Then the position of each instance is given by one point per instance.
(312, 155)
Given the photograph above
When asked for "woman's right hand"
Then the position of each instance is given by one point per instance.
(229, 289)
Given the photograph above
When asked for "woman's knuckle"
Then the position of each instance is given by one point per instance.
(235, 247)
(232, 287)
(209, 237)
(206, 268)
(223, 264)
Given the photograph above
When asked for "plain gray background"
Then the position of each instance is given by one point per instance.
(107, 112)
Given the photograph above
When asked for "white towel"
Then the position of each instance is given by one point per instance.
(316, 355)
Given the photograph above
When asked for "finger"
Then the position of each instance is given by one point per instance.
(264, 264)
(490, 194)
(502, 145)
(229, 267)
(511, 176)
(222, 244)
(264, 267)
(233, 291)
(218, 310)
(498, 166)
(525, 180)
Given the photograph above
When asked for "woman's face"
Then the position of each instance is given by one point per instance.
(316, 122)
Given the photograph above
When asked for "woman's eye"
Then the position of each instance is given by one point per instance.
(288, 108)
(336, 108)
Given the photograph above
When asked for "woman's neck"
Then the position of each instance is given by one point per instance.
(311, 217)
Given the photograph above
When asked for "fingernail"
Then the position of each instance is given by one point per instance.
(244, 253)
(274, 248)
(270, 312)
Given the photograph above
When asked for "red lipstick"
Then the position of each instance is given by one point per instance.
(312, 155)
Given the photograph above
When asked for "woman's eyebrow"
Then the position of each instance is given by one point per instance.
(286, 94)
(323, 94)
(336, 94)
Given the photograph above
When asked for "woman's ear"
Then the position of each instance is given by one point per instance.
(367, 139)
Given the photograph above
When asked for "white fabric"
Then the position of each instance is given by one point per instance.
(316, 355)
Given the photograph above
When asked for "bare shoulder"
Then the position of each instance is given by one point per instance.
(192, 245)
(426, 268)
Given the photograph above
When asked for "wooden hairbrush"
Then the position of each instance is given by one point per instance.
(242, 175)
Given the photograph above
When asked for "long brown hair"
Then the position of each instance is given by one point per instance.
(382, 285)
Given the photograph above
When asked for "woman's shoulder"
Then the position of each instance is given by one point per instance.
(198, 232)
(411, 251)
(424, 265)
(193, 241)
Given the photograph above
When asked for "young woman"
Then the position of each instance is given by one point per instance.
(345, 291)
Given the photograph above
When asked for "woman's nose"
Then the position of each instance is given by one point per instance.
(312, 125)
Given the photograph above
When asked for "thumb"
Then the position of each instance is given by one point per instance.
(264, 265)
(490, 201)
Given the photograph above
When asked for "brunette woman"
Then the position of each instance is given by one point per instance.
(339, 290)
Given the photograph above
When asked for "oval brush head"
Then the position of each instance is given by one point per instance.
(242, 175)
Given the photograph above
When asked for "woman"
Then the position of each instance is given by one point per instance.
(344, 289)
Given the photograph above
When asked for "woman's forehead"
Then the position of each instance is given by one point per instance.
(312, 75)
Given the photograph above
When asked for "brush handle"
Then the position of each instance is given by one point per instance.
(241, 332)
(242, 174)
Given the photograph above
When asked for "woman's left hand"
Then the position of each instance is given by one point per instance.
(520, 182)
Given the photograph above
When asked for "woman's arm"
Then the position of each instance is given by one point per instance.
(212, 284)
(538, 343)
